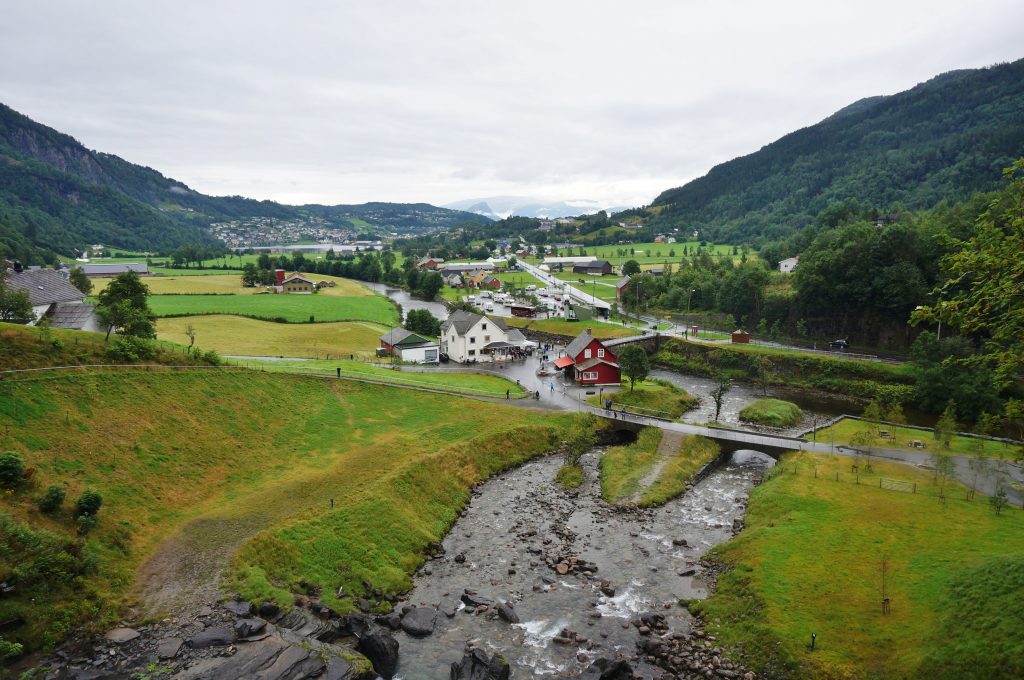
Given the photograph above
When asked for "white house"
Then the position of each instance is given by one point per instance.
(408, 346)
(470, 337)
(789, 264)
(54, 298)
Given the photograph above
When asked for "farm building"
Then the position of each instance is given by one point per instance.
(589, 362)
(405, 345)
(620, 286)
(53, 298)
(789, 264)
(740, 336)
(430, 263)
(297, 284)
(140, 268)
(593, 268)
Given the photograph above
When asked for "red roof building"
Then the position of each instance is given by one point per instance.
(589, 362)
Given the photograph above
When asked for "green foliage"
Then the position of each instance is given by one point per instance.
(15, 305)
(569, 476)
(88, 503)
(12, 469)
(52, 499)
(694, 454)
(943, 371)
(631, 268)
(80, 280)
(633, 363)
(772, 412)
(998, 500)
(130, 348)
(123, 305)
(946, 425)
(423, 322)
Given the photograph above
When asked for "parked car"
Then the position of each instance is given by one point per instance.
(841, 344)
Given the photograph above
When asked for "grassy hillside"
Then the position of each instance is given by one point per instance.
(206, 460)
(290, 308)
(810, 561)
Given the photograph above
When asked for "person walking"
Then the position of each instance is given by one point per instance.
(507, 393)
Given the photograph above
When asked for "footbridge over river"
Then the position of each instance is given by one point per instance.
(728, 440)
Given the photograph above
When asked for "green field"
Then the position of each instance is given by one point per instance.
(903, 437)
(206, 459)
(811, 561)
(231, 284)
(239, 335)
(648, 254)
(694, 454)
(291, 308)
(600, 329)
(658, 398)
(473, 384)
(622, 467)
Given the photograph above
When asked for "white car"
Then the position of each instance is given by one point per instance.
(531, 288)
(485, 293)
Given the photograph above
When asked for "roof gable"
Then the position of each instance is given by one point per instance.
(45, 286)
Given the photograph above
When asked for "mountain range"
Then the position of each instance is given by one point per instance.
(500, 207)
(57, 196)
(942, 140)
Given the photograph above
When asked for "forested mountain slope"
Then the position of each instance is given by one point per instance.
(56, 195)
(942, 140)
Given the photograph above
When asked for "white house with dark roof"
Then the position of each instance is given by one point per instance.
(466, 336)
(789, 264)
(405, 345)
(54, 298)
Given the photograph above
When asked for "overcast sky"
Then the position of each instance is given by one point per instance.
(377, 100)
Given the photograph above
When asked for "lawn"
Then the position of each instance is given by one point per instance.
(846, 429)
(290, 308)
(231, 284)
(239, 455)
(694, 454)
(658, 398)
(811, 561)
(238, 335)
(600, 329)
(473, 384)
(650, 254)
(772, 412)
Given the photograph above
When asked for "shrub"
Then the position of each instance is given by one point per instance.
(12, 469)
(52, 499)
(86, 523)
(570, 476)
(88, 503)
(211, 357)
(130, 348)
(772, 412)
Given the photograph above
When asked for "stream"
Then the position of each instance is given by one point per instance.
(407, 301)
(518, 528)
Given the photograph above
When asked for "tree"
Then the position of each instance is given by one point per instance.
(88, 503)
(764, 368)
(52, 499)
(946, 425)
(431, 285)
(79, 280)
(123, 306)
(423, 322)
(896, 416)
(12, 469)
(15, 305)
(944, 466)
(982, 295)
(634, 364)
(631, 267)
(1014, 414)
(998, 500)
(190, 332)
(722, 387)
(250, 275)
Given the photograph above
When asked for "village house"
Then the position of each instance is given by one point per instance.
(466, 336)
(54, 299)
(789, 264)
(620, 286)
(593, 268)
(405, 345)
(298, 284)
(430, 263)
(589, 362)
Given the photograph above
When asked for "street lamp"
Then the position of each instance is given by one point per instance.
(688, 298)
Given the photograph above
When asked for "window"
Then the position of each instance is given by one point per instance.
(589, 376)
(600, 354)
(487, 338)
(472, 340)
(472, 352)
(586, 353)
(483, 326)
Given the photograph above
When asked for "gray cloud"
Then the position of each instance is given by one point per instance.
(438, 101)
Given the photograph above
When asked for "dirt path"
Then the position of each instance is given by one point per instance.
(669, 446)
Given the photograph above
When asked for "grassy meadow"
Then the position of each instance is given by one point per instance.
(231, 284)
(658, 398)
(622, 467)
(847, 429)
(291, 308)
(695, 453)
(238, 335)
(212, 460)
(811, 560)
(772, 412)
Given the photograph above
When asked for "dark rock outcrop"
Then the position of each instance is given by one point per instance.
(476, 664)
(419, 621)
(382, 651)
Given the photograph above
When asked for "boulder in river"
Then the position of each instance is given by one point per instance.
(238, 607)
(211, 637)
(419, 621)
(507, 613)
(476, 664)
(473, 600)
(382, 651)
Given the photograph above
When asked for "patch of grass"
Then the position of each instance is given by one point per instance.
(237, 335)
(772, 412)
(695, 453)
(622, 467)
(846, 429)
(248, 451)
(570, 476)
(292, 308)
(571, 329)
(231, 284)
(810, 560)
(653, 397)
(465, 383)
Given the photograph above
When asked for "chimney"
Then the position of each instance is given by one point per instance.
(279, 276)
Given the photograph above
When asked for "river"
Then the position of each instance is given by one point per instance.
(518, 522)
(407, 301)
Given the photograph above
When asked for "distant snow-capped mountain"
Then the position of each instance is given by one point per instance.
(500, 207)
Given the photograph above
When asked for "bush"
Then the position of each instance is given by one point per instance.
(12, 469)
(570, 476)
(130, 348)
(88, 503)
(52, 499)
(86, 523)
(772, 412)
(211, 357)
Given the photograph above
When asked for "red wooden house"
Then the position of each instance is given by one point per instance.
(589, 362)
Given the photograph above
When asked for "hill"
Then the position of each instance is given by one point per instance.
(942, 140)
(206, 470)
(56, 195)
